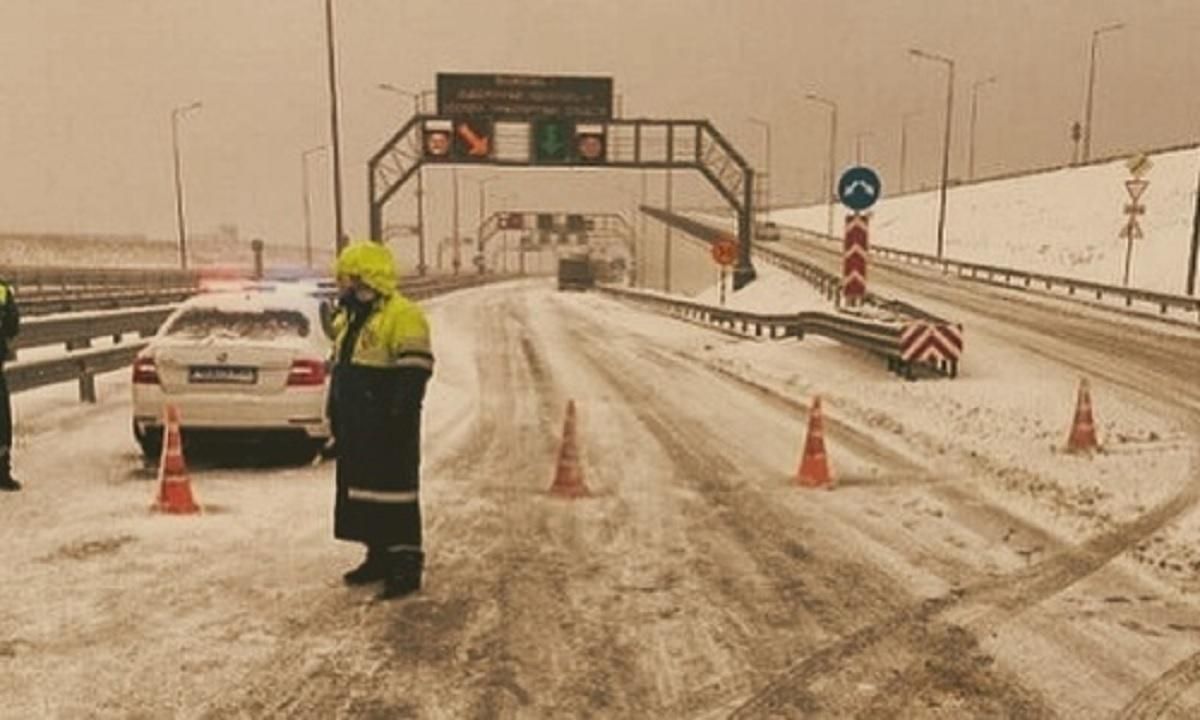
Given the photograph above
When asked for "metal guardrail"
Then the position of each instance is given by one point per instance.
(879, 337)
(80, 362)
(83, 366)
(78, 331)
(1016, 278)
(907, 336)
(45, 290)
(48, 303)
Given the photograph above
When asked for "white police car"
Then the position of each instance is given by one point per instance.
(246, 364)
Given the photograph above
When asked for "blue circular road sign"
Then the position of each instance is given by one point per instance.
(859, 188)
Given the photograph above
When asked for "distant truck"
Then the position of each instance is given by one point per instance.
(768, 231)
(575, 272)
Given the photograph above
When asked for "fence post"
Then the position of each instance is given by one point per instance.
(87, 387)
(256, 246)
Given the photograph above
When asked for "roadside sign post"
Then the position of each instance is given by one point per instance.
(1138, 165)
(858, 189)
(724, 252)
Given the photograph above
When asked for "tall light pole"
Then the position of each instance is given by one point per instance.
(941, 232)
(418, 109)
(505, 200)
(456, 262)
(1087, 124)
(335, 140)
(180, 223)
(832, 194)
(858, 146)
(766, 126)
(308, 253)
(974, 114)
(641, 273)
(483, 203)
(1194, 255)
(904, 149)
(670, 193)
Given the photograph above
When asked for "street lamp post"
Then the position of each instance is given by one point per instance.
(456, 262)
(504, 200)
(181, 224)
(766, 126)
(941, 232)
(974, 113)
(482, 209)
(418, 108)
(1087, 125)
(308, 253)
(335, 141)
(1194, 255)
(482, 196)
(904, 149)
(832, 156)
(858, 146)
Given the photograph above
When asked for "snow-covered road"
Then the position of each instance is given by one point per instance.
(962, 567)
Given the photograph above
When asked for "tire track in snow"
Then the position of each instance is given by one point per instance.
(891, 616)
(331, 681)
(1069, 566)
(1160, 699)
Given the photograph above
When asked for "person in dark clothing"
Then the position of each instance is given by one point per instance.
(10, 323)
(382, 363)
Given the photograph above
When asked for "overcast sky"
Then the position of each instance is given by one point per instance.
(87, 88)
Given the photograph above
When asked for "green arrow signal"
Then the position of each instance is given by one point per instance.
(551, 140)
(551, 143)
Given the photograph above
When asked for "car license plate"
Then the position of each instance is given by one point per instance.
(222, 374)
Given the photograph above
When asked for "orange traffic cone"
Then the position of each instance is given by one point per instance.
(568, 477)
(174, 486)
(1083, 429)
(814, 466)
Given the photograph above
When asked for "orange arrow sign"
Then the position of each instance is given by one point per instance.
(478, 143)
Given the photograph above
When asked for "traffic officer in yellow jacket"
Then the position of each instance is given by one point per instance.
(382, 362)
(10, 322)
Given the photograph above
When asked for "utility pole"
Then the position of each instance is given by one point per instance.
(830, 191)
(308, 250)
(941, 230)
(181, 223)
(333, 124)
(1087, 127)
(1191, 277)
(667, 241)
(904, 149)
(858, 146)
(974, 113)
(456, 260)
(670, 195)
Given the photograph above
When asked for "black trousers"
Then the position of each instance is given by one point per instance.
(5, 429)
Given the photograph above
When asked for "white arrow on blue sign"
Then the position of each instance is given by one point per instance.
(859, 188)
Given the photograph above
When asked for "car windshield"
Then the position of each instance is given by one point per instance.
(265, 324)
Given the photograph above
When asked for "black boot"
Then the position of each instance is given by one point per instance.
(373, 569)
(6, 479)
(405, 576)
